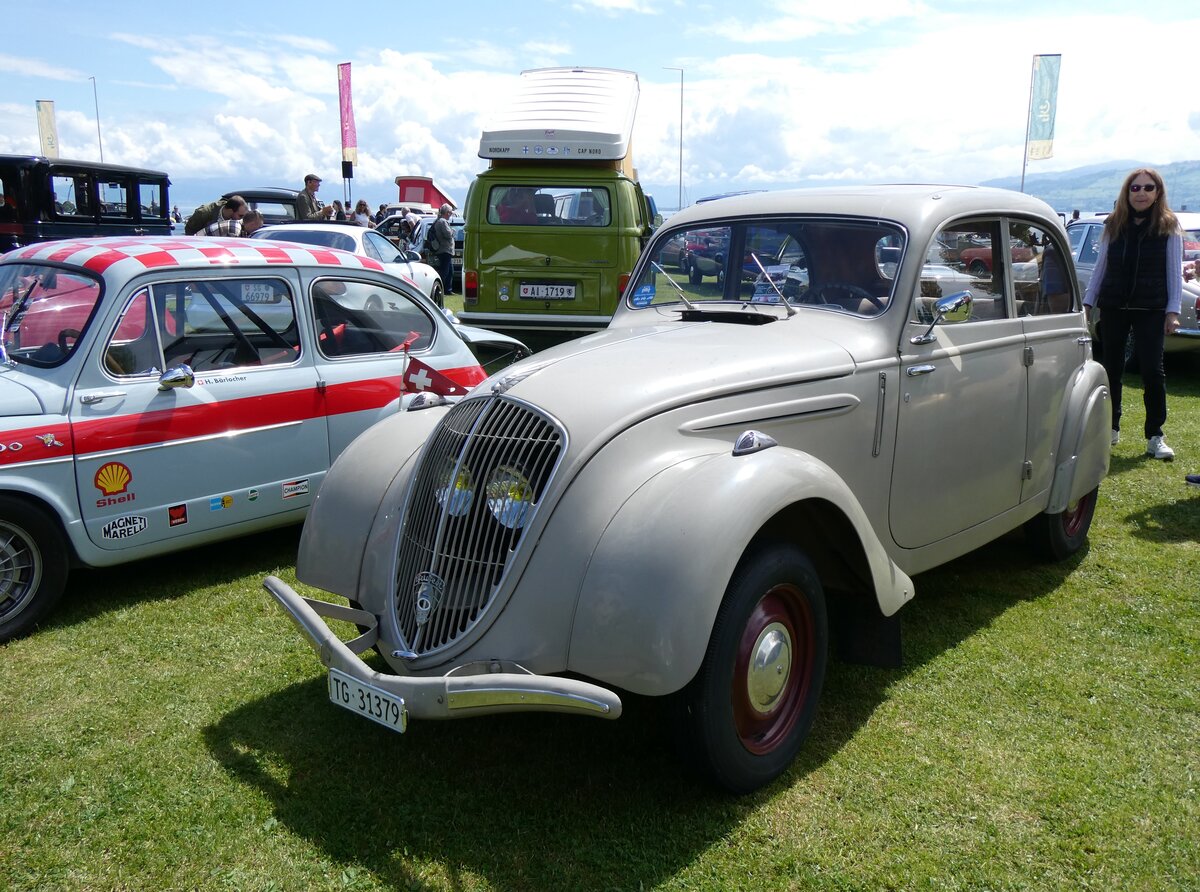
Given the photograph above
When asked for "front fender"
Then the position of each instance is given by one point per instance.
(659, 572)
(1084, 447)
(339, 523)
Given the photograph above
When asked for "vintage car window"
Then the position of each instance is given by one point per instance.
(832, 264)
(150, 197)
(323, 238)
(356, 318)
(1075, 238)
(114, 199)
(549, 206)
(1090, 249)
(72, 194)
(966, 257)
(135, 347)
(1041, 284)
(375, 245)
(45, 311)
(214, 324)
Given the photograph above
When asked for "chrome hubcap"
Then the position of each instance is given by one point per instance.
(770, 666)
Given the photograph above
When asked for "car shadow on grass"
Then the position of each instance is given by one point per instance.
(549, 801)
(93, 592)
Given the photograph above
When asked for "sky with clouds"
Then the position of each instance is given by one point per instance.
(775, 94)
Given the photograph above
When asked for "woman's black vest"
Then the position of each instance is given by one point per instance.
(1136, 273)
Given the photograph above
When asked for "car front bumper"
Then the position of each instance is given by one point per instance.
(472, 689)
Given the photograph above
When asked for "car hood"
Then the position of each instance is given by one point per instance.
(17, 397)
(616, 376)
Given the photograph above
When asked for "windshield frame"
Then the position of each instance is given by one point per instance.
(30, 310)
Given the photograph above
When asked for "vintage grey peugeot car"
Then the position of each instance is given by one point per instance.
(694, 502)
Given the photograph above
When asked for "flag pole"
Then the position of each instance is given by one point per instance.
(1028, 118)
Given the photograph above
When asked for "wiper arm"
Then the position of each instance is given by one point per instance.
(683, 297)
(791, 311)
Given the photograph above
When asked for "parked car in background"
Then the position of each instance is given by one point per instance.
(161, 393)
(51, 198)
(277, 205)
(773, 468)
(347, 236)
(457, 225)
(1084, 236)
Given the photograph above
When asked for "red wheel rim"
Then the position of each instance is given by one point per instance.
(1075, 515)
(774, 669)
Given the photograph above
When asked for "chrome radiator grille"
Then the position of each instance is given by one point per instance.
(460, 526)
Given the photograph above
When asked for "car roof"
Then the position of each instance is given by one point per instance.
(264, 193)
(906, 203)
(134, 254)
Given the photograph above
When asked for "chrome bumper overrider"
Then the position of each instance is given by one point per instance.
(473, 689)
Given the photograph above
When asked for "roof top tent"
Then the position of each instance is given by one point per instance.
(422, 194)
(566, 114)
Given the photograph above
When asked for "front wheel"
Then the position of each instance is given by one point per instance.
(33, 566)
(750, 707)
(436, 295)
(1058, 536)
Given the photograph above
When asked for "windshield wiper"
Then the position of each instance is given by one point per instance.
(791, 311)
(683, 297)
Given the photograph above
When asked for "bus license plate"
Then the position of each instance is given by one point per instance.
(545, 291)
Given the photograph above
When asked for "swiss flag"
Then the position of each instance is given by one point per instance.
(419, 376)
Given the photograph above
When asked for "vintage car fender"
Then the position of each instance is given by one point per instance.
(659, 572)
(1084, 446)
(339, 524)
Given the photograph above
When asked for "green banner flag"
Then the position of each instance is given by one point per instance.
(1043, 97)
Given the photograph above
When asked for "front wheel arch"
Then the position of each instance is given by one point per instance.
(34, 565)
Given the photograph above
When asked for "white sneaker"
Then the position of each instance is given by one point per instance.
(1158, 448)
(1116, 438)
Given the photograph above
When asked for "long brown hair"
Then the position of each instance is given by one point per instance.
(1162, 219)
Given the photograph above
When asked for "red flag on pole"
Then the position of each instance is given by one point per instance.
(419, 376)
(346, 107)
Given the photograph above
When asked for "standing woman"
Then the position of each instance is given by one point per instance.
(1137, 287)
(362, 214)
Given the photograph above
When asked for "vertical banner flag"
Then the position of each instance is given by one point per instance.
(1043, 98)
(346, 106)
(47, 128)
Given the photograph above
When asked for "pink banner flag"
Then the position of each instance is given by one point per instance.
(346, 107)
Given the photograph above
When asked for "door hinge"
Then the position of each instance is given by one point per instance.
(1028, 357)
(1027, 471)
(320, 385)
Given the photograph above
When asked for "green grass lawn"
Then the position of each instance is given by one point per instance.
(170, 730)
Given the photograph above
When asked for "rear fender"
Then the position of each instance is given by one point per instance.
(1084, 446)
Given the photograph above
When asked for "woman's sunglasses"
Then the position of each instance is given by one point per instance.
(1138, 187)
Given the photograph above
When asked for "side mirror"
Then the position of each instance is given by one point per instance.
(177, 376)
(951, 308)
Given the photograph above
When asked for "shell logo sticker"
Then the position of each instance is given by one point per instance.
(113, 478)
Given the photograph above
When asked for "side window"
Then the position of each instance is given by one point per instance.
(135, 346)
(114, 199)
(1091, 245)
(379, 247)
(364, 318)
(1075, 237)
(1040, 280)
(72, 195)
(964, 257)
(150, 198)
(223, 324)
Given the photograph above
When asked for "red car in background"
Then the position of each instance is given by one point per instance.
(978, 260)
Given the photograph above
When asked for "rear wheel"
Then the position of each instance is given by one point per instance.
(979, 269)
(1058, 536)
(436, 295)
(33, 566)
(750, 707)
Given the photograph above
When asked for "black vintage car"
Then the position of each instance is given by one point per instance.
(278, 205)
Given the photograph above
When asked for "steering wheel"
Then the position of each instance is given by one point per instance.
(72, 333)
(844, 289)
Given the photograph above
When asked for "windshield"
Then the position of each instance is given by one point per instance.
(838, 264)
(45, 311)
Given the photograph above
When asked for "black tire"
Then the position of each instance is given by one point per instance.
(373, 304)
(33, 566)
(979, 269)
(744, 727)
(436, 294)
(694, 274)
(1056, 537)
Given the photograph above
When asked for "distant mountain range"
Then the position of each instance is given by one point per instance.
(1093, 188)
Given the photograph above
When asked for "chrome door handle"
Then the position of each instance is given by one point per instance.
(1085, 339)
(92, 398)
(920, 370)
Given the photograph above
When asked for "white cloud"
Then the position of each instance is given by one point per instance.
(29, 67)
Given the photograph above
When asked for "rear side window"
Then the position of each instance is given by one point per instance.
(362, 318)
(72, 195)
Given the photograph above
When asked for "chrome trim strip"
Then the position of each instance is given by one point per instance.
(130, 450)
(879, 406)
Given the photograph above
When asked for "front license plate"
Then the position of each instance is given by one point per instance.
(545, 291)
(377, 705)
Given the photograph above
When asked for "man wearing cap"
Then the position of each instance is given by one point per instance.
(307, 206)
(441, 246)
